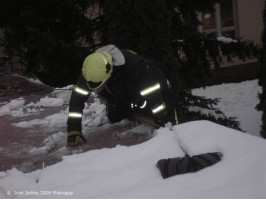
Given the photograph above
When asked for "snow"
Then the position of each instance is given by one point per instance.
(226, 39)
(130, 171)
(14, 107)
(49, 143)
(17, 107)
(35, 80)
(63, 93)
(206, 112)
(237, 100)
(55, 120)
(94, 114)
(50, 102)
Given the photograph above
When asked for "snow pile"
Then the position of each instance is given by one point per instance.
(94, 114)
(63, 93)
(49, 102)
(52, 121)
(226, 40)
(57, 139)
(14, 107)
(17, 107)
(130, 172)
(34, 80)
(237, 100)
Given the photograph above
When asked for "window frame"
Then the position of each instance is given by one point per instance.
(218, 21)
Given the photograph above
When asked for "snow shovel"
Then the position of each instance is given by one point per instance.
(181, 165)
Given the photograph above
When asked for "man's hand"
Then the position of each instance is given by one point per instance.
(73, 138)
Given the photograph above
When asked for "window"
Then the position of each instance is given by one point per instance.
(222, 22)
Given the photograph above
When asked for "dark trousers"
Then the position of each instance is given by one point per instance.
(117, 111)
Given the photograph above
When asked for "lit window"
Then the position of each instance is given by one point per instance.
(222, 22)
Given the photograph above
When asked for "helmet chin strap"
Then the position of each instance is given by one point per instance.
(105, 61)
(98, 90)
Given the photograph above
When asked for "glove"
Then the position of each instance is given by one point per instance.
(73, 138)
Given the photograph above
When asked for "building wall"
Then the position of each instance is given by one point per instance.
(250, 19)
(250, 24)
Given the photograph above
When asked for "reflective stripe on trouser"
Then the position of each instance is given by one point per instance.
(81, 91)
(74, 115)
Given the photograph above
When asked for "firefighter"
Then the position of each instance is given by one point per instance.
(132, 85)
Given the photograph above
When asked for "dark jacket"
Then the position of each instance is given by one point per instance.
(124, 87)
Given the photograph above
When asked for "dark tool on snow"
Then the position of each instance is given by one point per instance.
(181, 165)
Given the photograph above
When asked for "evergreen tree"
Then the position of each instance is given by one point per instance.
(143, 26)
(166, 32)
(48, 37)
(262, 78)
